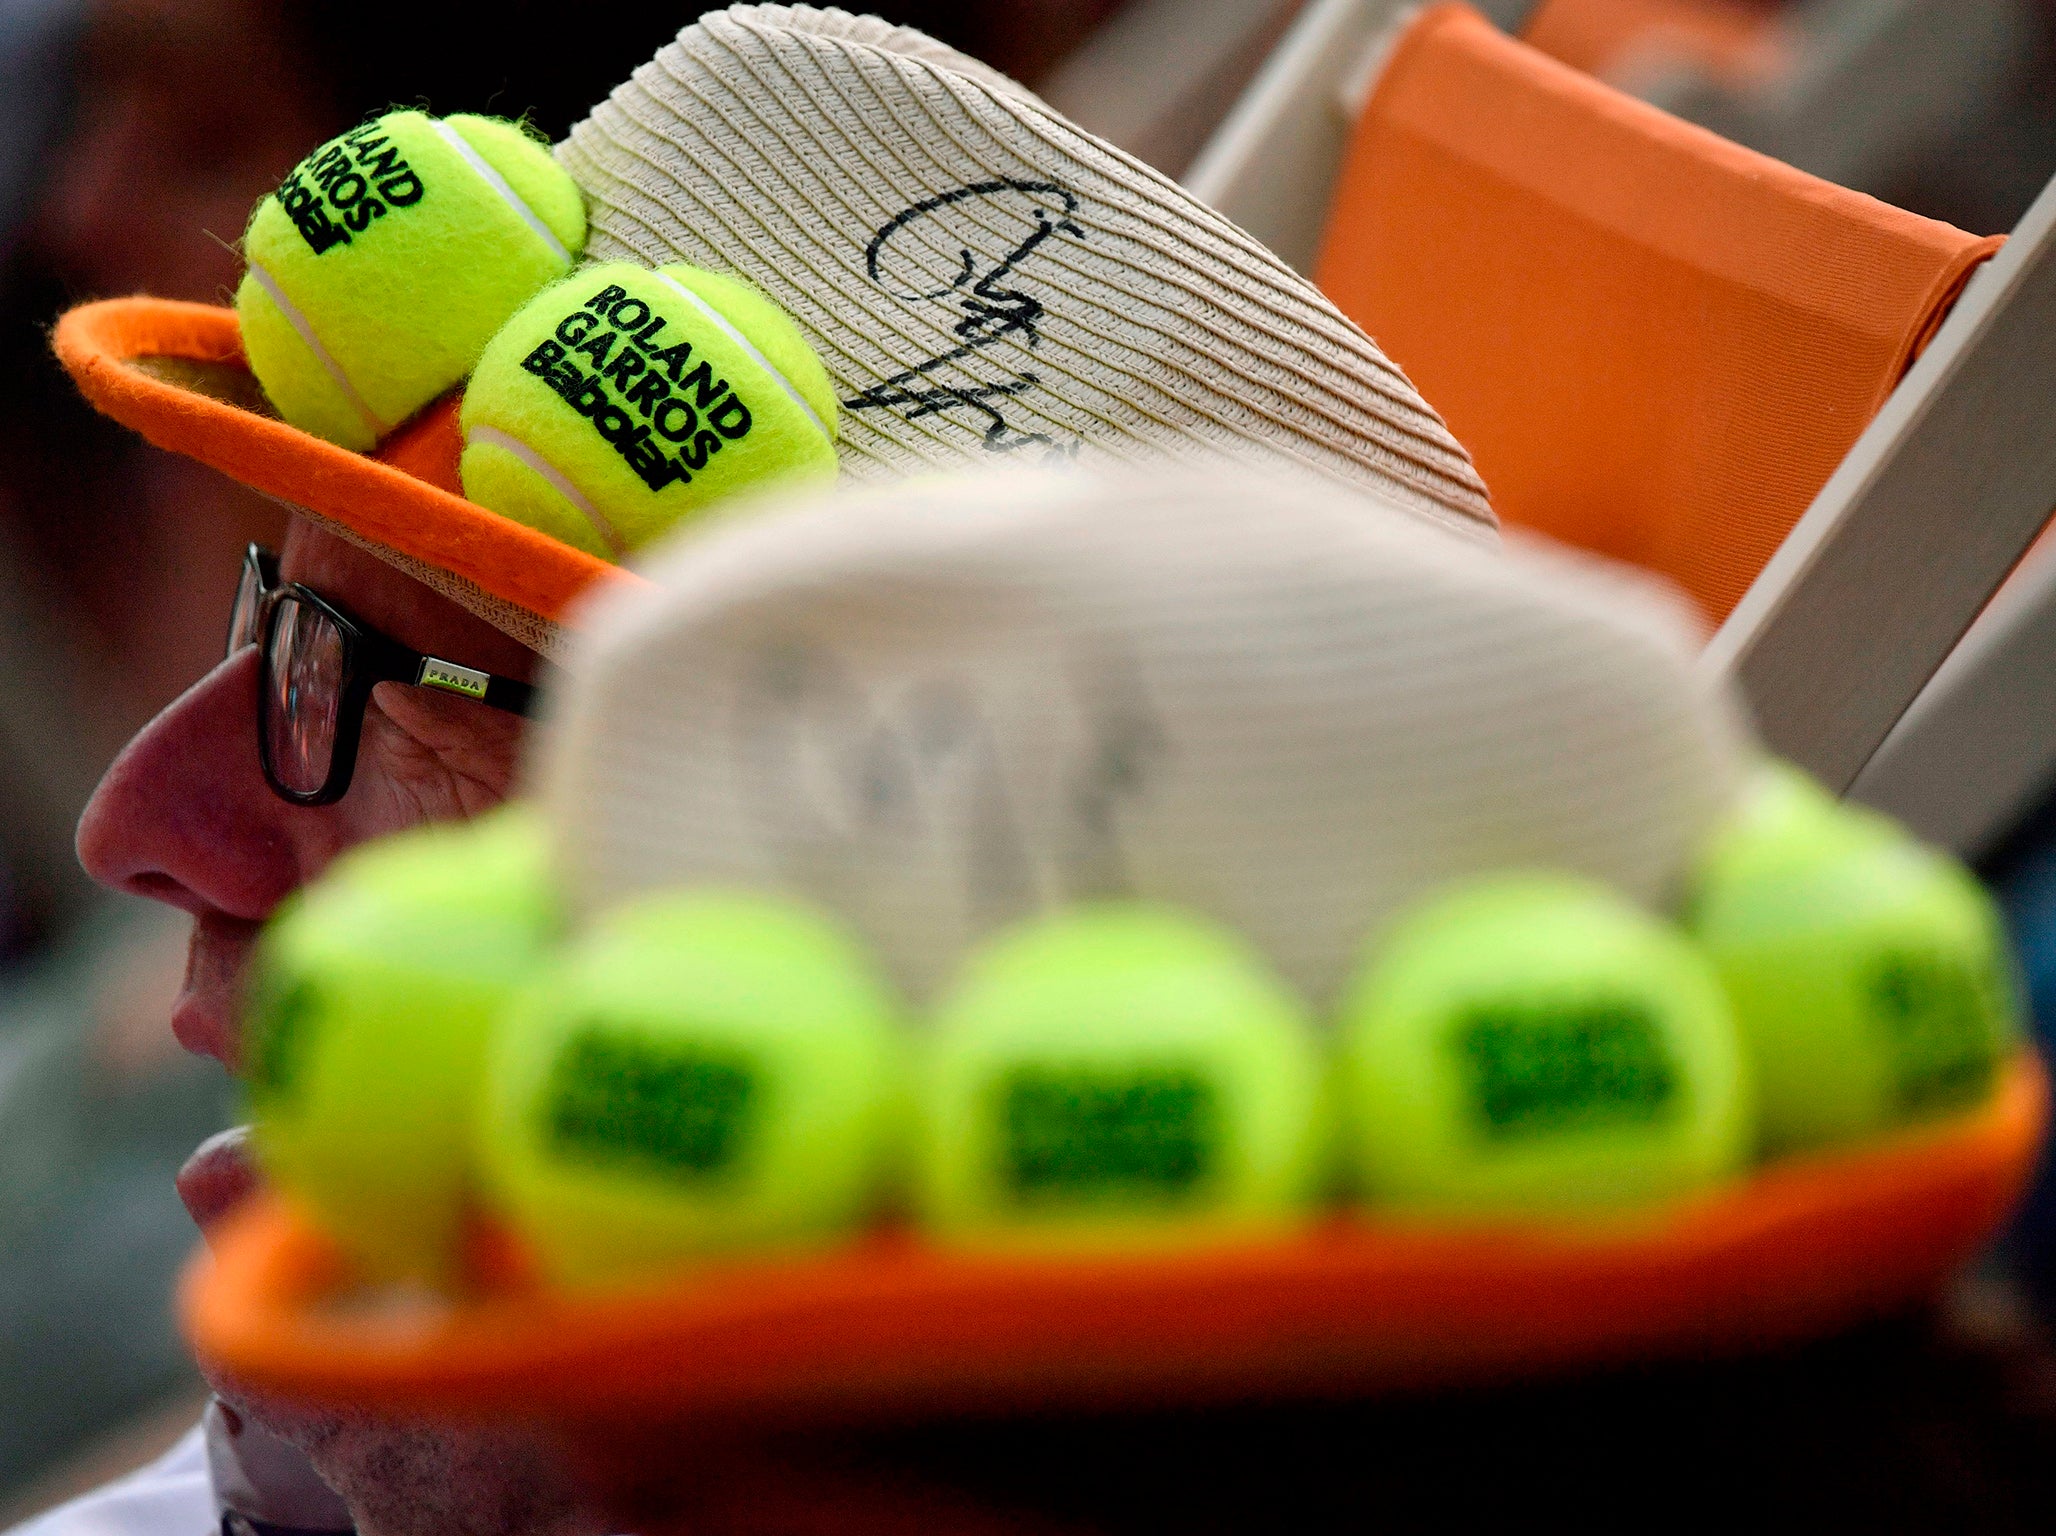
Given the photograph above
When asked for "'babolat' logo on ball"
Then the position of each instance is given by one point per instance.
(663, 413)
(344, 185)
(1934, 1013)
(1542, 1068)
(676, 1109)
(1074, 1135)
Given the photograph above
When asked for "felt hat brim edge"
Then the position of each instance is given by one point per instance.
(890, 1328)
(175, 373)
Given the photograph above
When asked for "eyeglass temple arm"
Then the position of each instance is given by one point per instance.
(391, 662)
(500, 692)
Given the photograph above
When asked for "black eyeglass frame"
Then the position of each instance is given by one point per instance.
(369, 658)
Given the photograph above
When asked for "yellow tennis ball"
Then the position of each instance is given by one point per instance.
(1870, 975)
(387, 259)
(374, 994)
(1117, 1074)
(1533, 1042)
(700, 1071)
(1783, 815)
(623, 400)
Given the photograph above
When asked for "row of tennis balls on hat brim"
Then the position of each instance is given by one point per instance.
(713, 1071)
(604, 404)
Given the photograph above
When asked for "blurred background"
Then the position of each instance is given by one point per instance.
(135, 136)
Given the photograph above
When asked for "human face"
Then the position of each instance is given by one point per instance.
(185, 816)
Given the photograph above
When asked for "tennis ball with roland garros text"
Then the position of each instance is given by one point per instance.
(1869, 974)
(624, 400)
(1533, 1043)
(387, 259)
(374, 993)
(701, 1071)
(1119, 1074)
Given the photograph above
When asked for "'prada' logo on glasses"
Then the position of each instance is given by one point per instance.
(452, 678)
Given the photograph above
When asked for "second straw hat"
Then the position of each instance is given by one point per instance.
(939, 707)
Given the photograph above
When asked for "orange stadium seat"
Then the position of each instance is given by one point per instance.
(1735, 41)
(1656, 344)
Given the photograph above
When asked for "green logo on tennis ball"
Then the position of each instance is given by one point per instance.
(1933, 1010)
(1081, 1135)
(344, 185)
(281, 1020)
(676, 1109)
(687, 413)
(1542, 1068)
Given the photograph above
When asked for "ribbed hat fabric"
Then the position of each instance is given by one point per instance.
(937, 707)
(982, 278)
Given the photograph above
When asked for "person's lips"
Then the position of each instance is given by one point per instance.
(218, 1177)
(204, 1017)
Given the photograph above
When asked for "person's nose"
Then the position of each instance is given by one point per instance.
(184, 815)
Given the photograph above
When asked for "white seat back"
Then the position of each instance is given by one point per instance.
(1271, 166)
(1158, 78)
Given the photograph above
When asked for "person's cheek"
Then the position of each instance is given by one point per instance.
(426, 757)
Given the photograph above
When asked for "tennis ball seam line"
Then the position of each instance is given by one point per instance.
(749, 347)
(558, 480)
(499, 184)
(305, 330)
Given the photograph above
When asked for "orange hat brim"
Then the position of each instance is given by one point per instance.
(890, 1328)
(175, 373)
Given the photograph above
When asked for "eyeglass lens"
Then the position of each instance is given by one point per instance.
(243, 617)
(303, 692)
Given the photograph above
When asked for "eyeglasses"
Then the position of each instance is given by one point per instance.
(319, 667)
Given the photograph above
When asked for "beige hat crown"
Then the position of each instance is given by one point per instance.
(939, 706)
(983, 279)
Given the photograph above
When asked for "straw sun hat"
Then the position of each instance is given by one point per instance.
(983, 280)
(938, 708)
